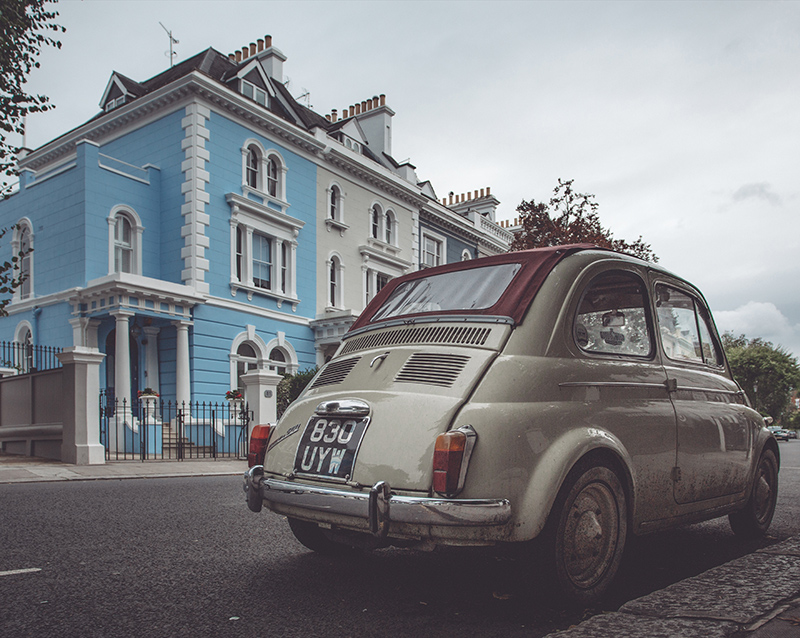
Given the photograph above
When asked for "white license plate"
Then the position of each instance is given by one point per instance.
(329, 446)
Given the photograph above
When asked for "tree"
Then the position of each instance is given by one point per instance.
(570, 218)
(767, 373)
(291, 386)
(22, 22)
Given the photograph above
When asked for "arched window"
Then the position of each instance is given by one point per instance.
(273, 181)
(277, 361)
(335, 282)
(334, 211)
(375, 222)
(123, 244)
(389, 227)
(466, 255)
(246, 360)
(23, 249)
(252, 167)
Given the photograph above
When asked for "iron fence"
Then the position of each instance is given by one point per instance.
(149, 429)
(27, 357)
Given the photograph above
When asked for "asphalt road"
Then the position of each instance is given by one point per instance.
(185, 557)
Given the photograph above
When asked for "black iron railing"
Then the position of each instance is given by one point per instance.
(27, 357)
(148, 428)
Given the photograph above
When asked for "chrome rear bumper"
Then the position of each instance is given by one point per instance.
(378, 506)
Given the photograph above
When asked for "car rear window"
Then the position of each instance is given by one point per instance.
(463, 290)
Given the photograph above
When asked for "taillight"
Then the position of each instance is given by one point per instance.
(450, 460)
(258, 445)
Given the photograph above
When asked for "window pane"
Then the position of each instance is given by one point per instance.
(375, 222)
(262, 262)
(388, 228)
(431, 252)
(466, 290)
(711, 349)
(272, 177)
(677, 324)
(612, 319)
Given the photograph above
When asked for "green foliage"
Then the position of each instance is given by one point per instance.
(21, 23)
(765, 372)
(570, 218)
(291, 386)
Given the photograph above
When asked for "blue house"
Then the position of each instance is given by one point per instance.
(177, 231)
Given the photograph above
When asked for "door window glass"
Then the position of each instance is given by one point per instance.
(685, 327)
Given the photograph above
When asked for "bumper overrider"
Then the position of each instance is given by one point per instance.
(378, 506)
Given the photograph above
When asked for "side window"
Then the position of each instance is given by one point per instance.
(685, 328)
(612, 316)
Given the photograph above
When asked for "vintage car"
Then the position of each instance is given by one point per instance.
(570, 395)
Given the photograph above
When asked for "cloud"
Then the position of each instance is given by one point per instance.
(760, 319)
(761, 190)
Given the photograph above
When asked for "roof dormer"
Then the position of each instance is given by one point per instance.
(119, 91)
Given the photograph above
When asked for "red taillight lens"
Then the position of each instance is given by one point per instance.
(258, 445)
(448, 454)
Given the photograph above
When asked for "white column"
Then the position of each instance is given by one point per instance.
(122, 364)
(183, 389)
(112, 221)
(247, 257)
(151, 357)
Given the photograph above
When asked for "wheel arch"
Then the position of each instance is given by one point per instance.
(574, 451)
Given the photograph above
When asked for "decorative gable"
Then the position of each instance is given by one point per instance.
(119, 91)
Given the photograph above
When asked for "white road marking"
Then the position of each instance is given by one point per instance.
(12, 572)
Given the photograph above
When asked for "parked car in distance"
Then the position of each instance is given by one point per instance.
(792, 434)
(566, 396)
(781, 434)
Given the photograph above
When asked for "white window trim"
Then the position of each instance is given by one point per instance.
(253, 217)
(426, 233)
(261, 190)
(256, 342)
(336, 223)
(16, 246)
(292, 362)
(466, 255)
(136, 238)
(370, 286)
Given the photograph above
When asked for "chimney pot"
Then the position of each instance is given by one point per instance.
(328, 117)
(383, 99)
(267, 41)
(444, 201)
(238, 56)
(252, 48)
(488, 191)
(451, 199)
(364, 106)
(482, 192)
(358, 109)
(232, 57)
(245, 53)
(369, 104)
(260, 44)
(352, 110)
(476, 194)
(334, 115)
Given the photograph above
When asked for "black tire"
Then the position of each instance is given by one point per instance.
(754, 520)
(313, 537)
(586, 532)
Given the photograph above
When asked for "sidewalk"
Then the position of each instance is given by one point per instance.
(23, 469)
(756, 596)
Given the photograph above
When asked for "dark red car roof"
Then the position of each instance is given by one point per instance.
(514, 302)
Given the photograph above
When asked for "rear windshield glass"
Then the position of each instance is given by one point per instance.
(465, 290)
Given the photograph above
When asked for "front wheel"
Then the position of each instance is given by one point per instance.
(586, 532)
(754, 520)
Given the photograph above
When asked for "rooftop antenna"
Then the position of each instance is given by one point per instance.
(305, 96)
(172, 41)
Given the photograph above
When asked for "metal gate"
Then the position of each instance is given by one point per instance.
(148, 429)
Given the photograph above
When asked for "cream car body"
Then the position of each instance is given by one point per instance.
(588, 359)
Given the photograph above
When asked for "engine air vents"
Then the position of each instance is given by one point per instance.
(450, 335)
(335, 372)
(432, 369)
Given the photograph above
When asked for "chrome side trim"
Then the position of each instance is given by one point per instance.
(386, 507)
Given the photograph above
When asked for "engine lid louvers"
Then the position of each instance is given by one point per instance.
(335, 372)
(432, 369)
(450, 335)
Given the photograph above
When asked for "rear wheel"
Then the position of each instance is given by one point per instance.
(586, 532)
(314, 538)
(754, 520)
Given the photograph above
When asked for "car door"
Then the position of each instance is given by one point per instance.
(714, 426)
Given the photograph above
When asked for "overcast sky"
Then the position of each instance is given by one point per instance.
(682, 118)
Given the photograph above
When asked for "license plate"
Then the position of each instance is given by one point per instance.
(329, 446)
